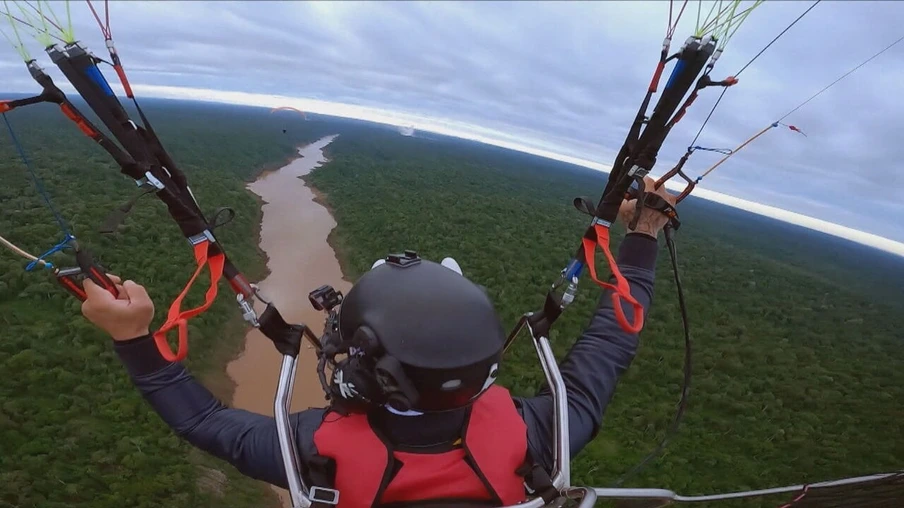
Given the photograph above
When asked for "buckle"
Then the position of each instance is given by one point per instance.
(638, 171)
(601, 222)
(248, 312)
(204, 236)
(151, 180)
(324, 495)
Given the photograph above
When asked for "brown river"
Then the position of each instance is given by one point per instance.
(294, 232)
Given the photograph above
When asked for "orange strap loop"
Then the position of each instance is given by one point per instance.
(621, 290)
(178, 318)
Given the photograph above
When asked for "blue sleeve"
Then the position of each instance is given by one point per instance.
(596, 361)
(246, 440)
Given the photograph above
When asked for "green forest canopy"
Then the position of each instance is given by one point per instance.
(797, 342)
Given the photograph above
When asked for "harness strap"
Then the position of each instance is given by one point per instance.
(621, 290)
(176, 318)
(322, 473)
(537, 480)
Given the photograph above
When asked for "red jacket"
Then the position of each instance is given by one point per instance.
(494, 441)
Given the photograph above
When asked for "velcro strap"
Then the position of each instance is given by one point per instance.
(176, 318)
(621, 290)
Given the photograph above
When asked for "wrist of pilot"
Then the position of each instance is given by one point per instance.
(140, 355)
(640, 230)
(131, 336)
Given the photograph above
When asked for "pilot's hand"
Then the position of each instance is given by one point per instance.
(651, 221)
(126, 317)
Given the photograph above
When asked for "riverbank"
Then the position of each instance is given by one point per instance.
(294, 238)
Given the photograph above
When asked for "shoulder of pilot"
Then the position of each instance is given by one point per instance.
(519, 406)
(307, 424)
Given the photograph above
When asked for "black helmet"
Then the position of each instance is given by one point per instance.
(434, 335)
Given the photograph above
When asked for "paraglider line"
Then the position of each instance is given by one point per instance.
(846, 74)
(59, 218)
(802, 104)
(672, 26)
(65, 243)
(777, 37)
(41, 14)
(105, 30)
(26, 23)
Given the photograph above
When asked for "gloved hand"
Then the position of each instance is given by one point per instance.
(651, 221)
(126, 317)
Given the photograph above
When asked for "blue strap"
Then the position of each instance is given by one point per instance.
(56, 248)
(573, 269)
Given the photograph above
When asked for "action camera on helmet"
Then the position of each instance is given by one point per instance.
(325, 298)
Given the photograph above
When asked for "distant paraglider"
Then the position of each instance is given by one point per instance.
(290, 109)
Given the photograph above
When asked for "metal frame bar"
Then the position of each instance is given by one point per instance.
(561, 472)
(283, 400)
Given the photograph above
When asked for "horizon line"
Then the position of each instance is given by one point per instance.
(493, 137)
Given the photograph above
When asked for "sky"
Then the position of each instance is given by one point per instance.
(559, 79)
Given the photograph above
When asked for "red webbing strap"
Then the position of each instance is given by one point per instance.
(621, 290)
(79, 120)
(124, 80)
(178, 318)
(657, 75)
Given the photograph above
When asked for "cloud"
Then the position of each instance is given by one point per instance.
(566, 77)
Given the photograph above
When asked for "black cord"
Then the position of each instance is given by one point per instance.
(846, 74)
(686, 387)
(777, 37)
